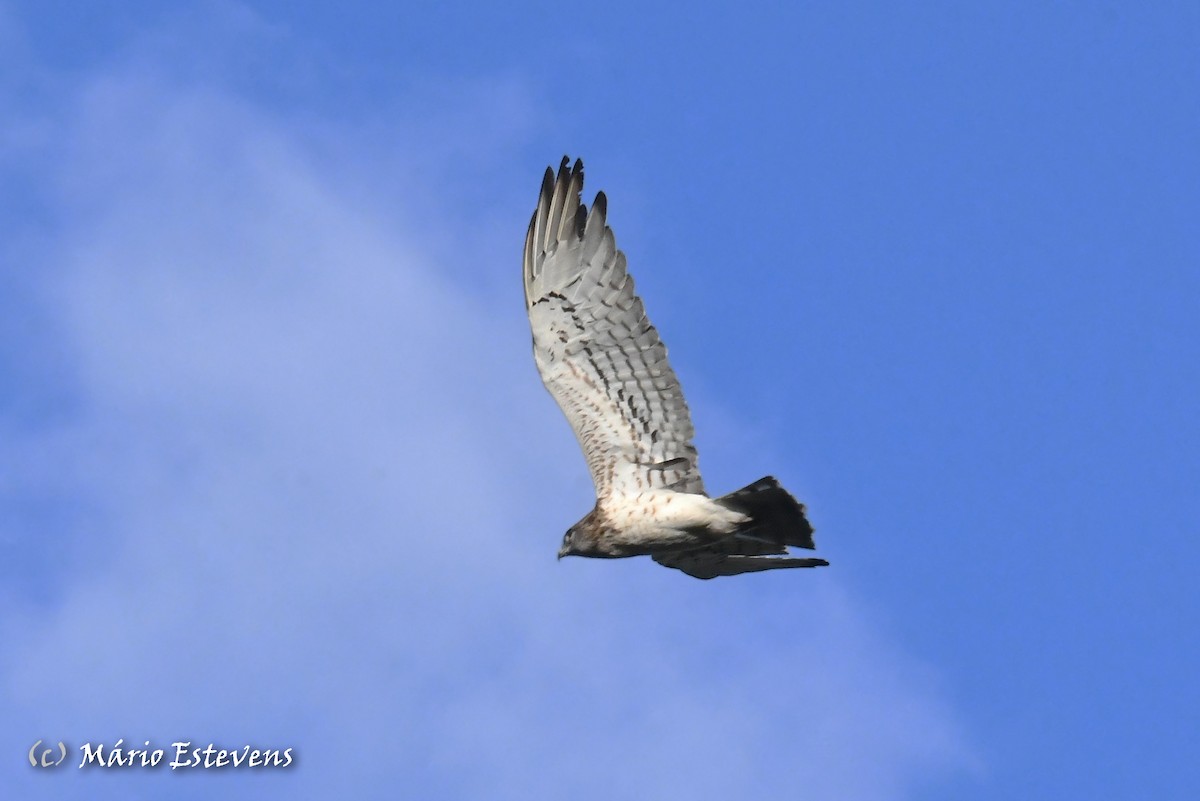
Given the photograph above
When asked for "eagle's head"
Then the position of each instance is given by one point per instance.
(583, 538)
(568, 544)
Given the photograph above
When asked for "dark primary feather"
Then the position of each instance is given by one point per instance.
(775, 516)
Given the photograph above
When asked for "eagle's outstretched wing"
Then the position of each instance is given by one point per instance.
(597, 353)
(714, 560)
(732, 557)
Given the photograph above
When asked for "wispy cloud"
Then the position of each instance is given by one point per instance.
(320, 490)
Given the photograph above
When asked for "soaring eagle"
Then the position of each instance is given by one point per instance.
(604, 364)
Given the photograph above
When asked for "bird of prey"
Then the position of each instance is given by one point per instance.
(604, 364)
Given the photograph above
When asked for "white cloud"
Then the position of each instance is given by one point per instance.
(325, 491)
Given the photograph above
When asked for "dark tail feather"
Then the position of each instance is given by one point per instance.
(775, 516)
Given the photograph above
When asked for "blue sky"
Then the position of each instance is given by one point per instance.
(276, 468)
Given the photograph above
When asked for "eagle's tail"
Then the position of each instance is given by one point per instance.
(775, 516)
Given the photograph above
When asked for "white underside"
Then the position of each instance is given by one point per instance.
(661, 518)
